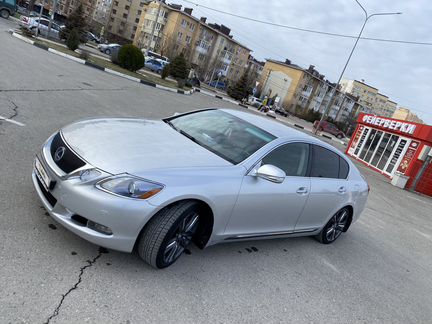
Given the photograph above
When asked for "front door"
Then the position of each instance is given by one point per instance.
(268, 208)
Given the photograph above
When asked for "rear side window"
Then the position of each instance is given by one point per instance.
(343, 168)
(325, 163)
(292, 158)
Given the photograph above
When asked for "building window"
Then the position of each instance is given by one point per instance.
(183, 23)
(201, 57)
(158, 26)
(112, 19)
(192, 27)
(162, 13)
(179, 36)
(127, 7)
(114, 11)
(148, 23)
(139, 12)
(137, 20)
(125, 15)
(141, 4)
(116, 3)
(134, 28)
(122, 24)
(188, 39)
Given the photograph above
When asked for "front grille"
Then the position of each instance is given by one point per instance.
(48, 196)
(69, 161)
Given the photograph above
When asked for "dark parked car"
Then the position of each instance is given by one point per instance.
(7, 8)
(282, 112)
(329, 128)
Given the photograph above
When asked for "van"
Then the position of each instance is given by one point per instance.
(156, 56)
(7, 8)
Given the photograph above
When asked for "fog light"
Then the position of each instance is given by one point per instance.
(99, 228)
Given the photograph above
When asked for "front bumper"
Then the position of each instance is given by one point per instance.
(125, 217)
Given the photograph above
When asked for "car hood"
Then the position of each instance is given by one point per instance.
(136, 145)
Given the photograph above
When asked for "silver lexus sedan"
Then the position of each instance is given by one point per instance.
(206, 177)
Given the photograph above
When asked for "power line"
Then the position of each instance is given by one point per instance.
(310, 30)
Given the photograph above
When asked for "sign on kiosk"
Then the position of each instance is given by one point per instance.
(383, 122)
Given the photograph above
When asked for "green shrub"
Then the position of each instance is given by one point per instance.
(178, 69)
(130, 57)
(239, 90)
(165, 72)
(73, 41)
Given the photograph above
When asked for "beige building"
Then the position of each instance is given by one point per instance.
(66, 7)
(370, 99)
(209, 48)
(405, 114)
(123, 20)
(102, 12)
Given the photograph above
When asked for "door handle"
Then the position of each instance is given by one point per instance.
(342, 190)
(302, 191)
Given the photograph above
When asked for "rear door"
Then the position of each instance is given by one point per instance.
(267, 208)
(329, 188)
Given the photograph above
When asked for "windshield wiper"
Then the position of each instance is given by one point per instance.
(182, 132)
(171, 124)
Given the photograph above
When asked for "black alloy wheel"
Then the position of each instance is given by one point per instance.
(335, 227)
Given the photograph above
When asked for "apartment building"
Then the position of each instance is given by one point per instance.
(102, 12)
(370, 99)
(123, 20)
(210, 49)
(254, 69)
(406, 114)
(66, 7)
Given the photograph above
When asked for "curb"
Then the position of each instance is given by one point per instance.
(100, 68)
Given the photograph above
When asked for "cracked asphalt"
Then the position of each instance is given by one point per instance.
(380, 271)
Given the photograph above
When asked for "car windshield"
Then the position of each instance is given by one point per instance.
(228, 136)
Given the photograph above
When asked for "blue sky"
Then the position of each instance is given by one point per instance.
(402, 72)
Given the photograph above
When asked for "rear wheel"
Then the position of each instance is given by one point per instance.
(4, 14)
(335, 226)
(166, 236)
(108, 51)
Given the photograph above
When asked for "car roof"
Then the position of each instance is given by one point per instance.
(277, 129)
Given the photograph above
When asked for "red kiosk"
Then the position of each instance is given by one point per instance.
(395, 148)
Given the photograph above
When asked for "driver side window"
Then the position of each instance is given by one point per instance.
(292, 158)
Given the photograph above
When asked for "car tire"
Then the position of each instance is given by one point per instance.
(335, 226)
(167, 234)
(108, 51)
(4, 14)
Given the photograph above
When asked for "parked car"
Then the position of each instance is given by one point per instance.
(40, 26)
(207, 177)
(254, 101)
(193, 82)
(153, 55)
(281, 111)
(154, 65)
(329, 128)
(90, 37)
(108, 48)
(219, 85)
(7, 8)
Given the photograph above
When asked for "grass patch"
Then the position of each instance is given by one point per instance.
(108, 64)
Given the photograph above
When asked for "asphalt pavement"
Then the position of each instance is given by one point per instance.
(379, 271)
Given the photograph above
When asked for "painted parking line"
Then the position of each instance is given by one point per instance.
(11, 121)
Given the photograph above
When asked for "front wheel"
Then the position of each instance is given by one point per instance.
(108, 51)
(4, 14)
(335, 226)
(166, 236)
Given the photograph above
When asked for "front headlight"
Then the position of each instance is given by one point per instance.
(130, 187)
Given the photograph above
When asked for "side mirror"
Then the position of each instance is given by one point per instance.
(271, 173)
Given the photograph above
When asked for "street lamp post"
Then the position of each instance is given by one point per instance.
(367, 17)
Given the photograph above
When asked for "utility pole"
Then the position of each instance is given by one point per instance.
(367, 17)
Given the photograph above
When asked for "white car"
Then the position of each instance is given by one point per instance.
(107, 48)
(40, 26)
(255, 102)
